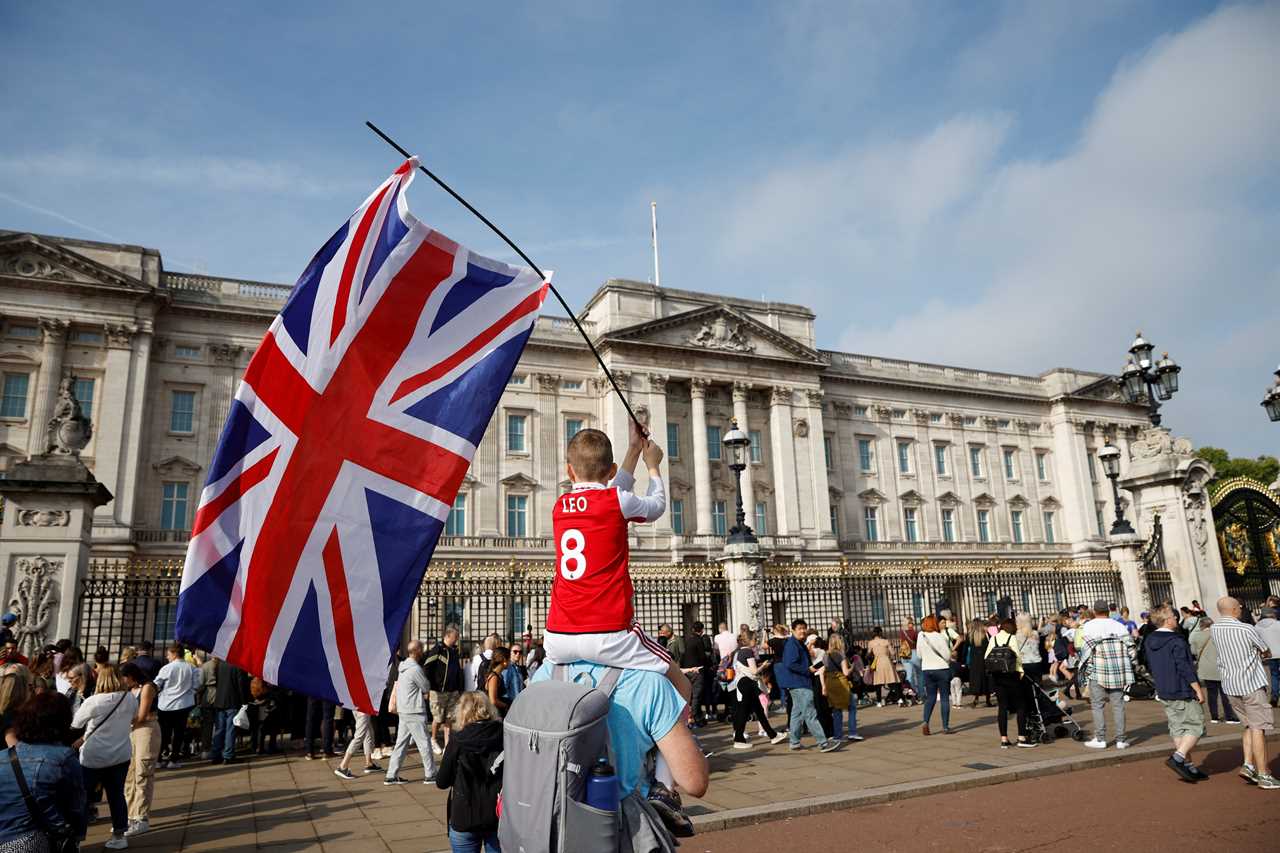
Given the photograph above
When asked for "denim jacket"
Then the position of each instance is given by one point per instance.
(53, 774)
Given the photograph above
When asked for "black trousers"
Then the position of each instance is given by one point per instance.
(319, 722)
(173, 733)
(695, 706)
(747, 706)
(1011, 694)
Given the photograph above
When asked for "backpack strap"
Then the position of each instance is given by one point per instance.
(610, 681)
(558, 672)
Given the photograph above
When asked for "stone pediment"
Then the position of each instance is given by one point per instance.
(678, 486)
(874, 497)
(911, 498)
(718, 329)
(519, 480)
(31, 257)
(984, 500)
(1050, 503)
(1018, 502)
(177, 465)
(949, 499)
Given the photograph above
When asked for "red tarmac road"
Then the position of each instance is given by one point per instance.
(1137, 806)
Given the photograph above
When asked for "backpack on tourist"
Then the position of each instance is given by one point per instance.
(553, 735)
(1002, 659)
(725, 670)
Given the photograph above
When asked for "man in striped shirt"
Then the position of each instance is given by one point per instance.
(1240, 652)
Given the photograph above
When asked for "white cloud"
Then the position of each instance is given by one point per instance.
(1157, 216)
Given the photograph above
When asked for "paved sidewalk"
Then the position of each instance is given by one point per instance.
(285, 803)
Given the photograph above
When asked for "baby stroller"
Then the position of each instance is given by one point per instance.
(1049, 717)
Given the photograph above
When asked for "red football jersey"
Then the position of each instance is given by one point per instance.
(591, 592)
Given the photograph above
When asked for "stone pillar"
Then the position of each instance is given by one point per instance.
(1072, 470)
(51, 355)
(818, 452)
(741, 390)
(547, 467)
(744, 570)
(45, 545)
(658, 432)
(1165, 479)
(135, 407)
(701, 461)
(786, 507)
(1126, 556)
(112, 434)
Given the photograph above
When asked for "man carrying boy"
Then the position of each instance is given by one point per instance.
(1174, 671)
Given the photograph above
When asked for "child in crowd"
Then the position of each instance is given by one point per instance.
(591, 617)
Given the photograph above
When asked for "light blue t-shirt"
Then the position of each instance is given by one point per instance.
(645, 707)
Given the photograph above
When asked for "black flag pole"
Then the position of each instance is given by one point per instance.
(527, 260)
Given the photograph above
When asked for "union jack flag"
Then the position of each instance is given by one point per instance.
(344, 448)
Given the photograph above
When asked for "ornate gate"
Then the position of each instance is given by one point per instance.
(1247, 517)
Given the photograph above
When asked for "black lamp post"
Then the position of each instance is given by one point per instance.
(1271, 402)
(1158, 380)
(1110, 456)
(737, 442)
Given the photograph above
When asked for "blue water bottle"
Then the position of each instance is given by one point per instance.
(602, 787)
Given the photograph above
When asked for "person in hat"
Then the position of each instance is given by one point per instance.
(6, 628)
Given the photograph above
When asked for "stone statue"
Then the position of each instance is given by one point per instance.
(720, 334)
(34, 603)
(68, 431)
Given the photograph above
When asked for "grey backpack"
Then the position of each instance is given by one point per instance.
(553, 734)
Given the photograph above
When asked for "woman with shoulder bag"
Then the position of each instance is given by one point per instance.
(107, 719)
(935, 662)
(42, 800)
(1003, 659)
(140, 785)
(467, 771)
(746, 674)
(835, 674)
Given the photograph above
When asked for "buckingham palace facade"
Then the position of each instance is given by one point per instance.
(853, 457)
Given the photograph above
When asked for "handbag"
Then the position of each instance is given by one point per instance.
(60, 840)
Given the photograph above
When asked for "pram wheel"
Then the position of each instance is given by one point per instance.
(1078, 736)
(1046, 738)
(1060, 731)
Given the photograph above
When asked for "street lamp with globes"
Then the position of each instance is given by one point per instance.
(1271, 401)
(737, 443)
(1110, 456)
(1157, 379)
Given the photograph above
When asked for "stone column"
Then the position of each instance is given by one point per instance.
(701, 461)
(1072, 470)
(1126, 556)
(45, 545)
(1165, 479)
(135, 407)
(51, 356)
(744, 570)
(110, 431)
(817, 449)
(486, 513)
(547, 467)
(786, 507)
(741, 390)
(658, 432)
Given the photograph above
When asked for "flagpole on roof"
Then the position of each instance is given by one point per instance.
(527, 260)
(657, 275)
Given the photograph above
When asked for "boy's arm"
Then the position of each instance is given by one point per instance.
(634, 446)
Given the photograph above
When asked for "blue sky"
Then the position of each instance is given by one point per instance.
(1003, 185)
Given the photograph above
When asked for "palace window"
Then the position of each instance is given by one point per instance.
(83, 390)
(1015, 520)
(187, 352)
(940, 459)
(1093, 472)
(456, 523)
(677, 517)
(673, 440)
(762, 518)
(904, 457)
(718, 523)
(571, 385)
(1099, 514)
(1049, 535)
(869, 517)
(835, 520)
(826, 450)
(182, 411)
(984, 525)
(864, 455)
(17, 331)
(85, 336)
(173, 506)
(948, 525)
(1042, 466)
(975, 461)
(910, 525)
(572, 426)
(935, 419)
(860, 411)
(757, 446)
(713, 443)
(517, 515)
(515, 433)
(1010, 468)
(14, 402)
(518, 379)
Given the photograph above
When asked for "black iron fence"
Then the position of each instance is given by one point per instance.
(122, 603)
(1155, 571)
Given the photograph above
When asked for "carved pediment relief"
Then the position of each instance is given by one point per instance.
(1018, 502)
(949, 499)
(911, 498)
(836, 494)
(31, 257)
(177, 465)
(520, 480)
(718, 329)
(873, 497)
(761, 487)
(678, 486)
(468, 482)
(1051, 503)
(984, 500)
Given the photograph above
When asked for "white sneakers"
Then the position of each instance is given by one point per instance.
(117, 842)
(436, 748)
(742, 744)
(1096, 744)
(137, 827)
(1122, 744)
(778, 738)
